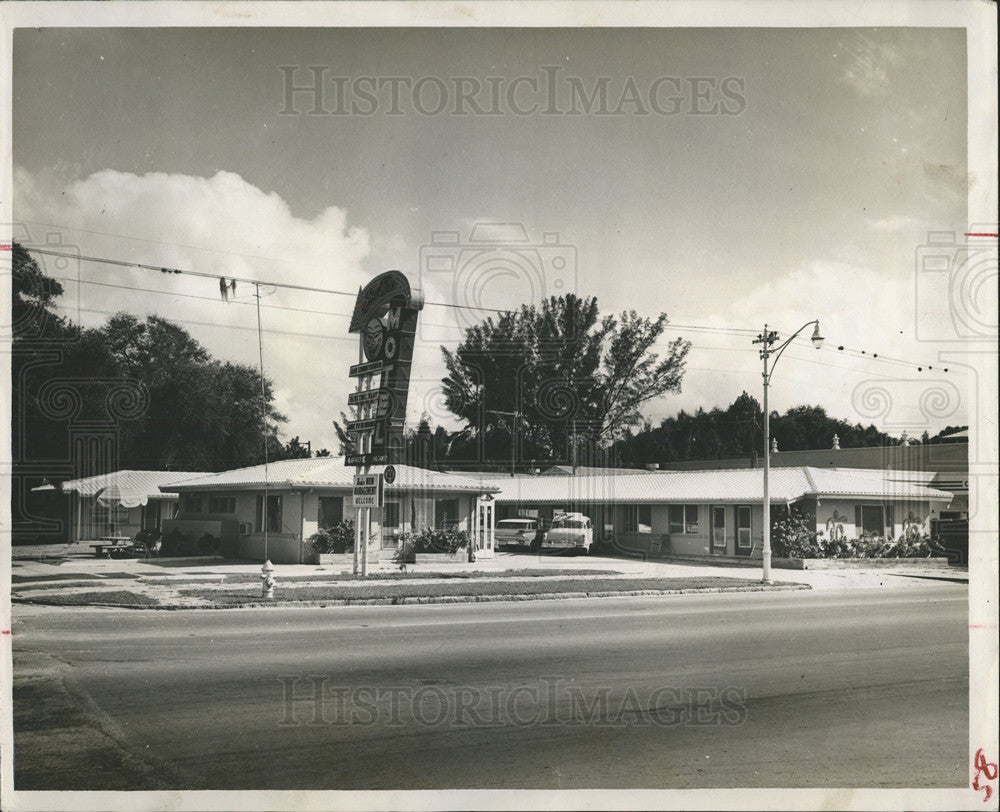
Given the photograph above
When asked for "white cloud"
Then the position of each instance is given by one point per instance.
(222, 226)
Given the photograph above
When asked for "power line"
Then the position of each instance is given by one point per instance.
(329, 291)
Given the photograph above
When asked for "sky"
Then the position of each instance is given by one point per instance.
(726, 177)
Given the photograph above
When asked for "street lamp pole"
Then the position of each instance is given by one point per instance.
(767, 339)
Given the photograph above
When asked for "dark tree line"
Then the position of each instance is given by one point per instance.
(130, 394)
(737, 431)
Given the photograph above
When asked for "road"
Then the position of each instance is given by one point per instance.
(866, 688)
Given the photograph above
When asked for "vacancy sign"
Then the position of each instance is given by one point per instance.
(368, 490)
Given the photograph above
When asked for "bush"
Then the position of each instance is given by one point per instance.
(791, 537)
(336, 539)
(178, 545)
(406, 552)
(448, 541)
(209, 545)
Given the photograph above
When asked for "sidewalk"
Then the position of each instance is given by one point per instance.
(162, 581)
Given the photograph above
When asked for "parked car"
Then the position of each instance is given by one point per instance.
(570, 531)
(515, 532)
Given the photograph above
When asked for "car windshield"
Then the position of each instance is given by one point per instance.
(509, 524)
(570, 524)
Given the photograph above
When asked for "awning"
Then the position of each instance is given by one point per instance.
(114, 495)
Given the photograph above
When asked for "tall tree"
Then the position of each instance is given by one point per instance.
(539, 382)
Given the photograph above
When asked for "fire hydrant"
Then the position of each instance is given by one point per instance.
(267, 580)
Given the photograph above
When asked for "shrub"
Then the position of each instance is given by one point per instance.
(406, 552)
(791, 536)
(336, 539)
(208, 545)
(178, 544)
(447, 541)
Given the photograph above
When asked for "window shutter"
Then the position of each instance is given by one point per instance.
(890, 522)
(857, 521)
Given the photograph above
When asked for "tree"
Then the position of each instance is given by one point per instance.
(553, 378)
(201, 413)
(296, 450)
(737, 432)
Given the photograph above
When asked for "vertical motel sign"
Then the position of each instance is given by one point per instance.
(385, 317)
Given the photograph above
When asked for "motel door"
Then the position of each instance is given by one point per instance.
(719, 534)
(744, 542)
(483, 525)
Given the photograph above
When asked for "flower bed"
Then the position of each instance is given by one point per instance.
(792, 538)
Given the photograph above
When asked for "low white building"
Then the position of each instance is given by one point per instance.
(120, 503)
(304, 495)
(720, 512)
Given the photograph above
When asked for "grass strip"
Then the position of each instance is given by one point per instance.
(118, 597)
(388, 575)
(390, 592)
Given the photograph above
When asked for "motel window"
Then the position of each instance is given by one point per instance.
(390, 515)
(873, 520)
(222, 504)
(421, 514)
(445, 513)
(331, 511)
(192, 504)
(683, 519)
(638, 519)
(273, 514)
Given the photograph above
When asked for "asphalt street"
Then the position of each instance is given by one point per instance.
(864, 688)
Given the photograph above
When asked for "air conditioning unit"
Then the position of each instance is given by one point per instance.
(244, 528)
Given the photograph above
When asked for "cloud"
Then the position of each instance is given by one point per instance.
(220, 225)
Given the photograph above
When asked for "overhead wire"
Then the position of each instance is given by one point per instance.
(709, 329)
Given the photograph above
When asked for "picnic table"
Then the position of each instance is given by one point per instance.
(111, 544)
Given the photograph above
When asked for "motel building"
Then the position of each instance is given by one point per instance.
(304, 495)
(117, 504)
(720, 512)
(697, 513)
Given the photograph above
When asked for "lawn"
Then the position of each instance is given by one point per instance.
(117, 597)
(396, 592)
(391, 575)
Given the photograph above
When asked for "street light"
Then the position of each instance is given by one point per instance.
(767, 339)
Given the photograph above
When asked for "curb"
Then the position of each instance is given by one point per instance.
(431, 599)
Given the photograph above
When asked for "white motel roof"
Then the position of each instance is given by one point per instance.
(140, 483)
(736, 485)
(324, 472)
